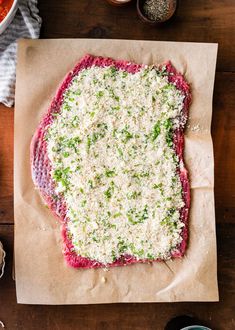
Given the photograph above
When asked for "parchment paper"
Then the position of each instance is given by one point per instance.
(42, 276)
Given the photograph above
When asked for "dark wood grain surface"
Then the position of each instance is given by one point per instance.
(202, 21)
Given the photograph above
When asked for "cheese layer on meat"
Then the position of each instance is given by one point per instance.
(113, 161)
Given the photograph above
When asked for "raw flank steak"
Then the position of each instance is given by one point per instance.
(107, 159)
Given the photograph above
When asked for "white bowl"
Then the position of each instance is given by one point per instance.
(7, 20)
(195, 327)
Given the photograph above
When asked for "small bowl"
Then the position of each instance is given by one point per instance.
(8, 19)
(140, 10)
(118, 2)
(195, 327)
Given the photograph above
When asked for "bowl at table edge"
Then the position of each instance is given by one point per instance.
(8, 19)
(118, 3)
(140, 10)
(195, 327)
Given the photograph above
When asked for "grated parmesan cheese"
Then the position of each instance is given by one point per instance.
(113, 161)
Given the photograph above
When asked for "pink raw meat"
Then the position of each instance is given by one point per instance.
(40, 164)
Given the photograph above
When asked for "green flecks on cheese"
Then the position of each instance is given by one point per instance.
(112, 160)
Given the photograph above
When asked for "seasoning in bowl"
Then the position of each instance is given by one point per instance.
(156, 11)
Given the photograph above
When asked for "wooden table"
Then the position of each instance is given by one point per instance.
(202, 21)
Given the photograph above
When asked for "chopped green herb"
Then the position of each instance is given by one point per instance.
(90, 184)
(136, 217)
(108, 193)
(62, 176)
(127, 135)
(109, 173)
(122, 246)
(66, 154)
(120, 152)
(116, 215)
(83, 203)
(100, 94)
(156, 131)
(134, 195)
